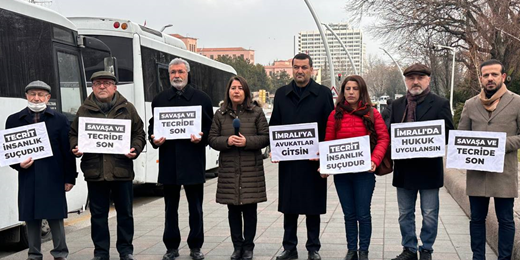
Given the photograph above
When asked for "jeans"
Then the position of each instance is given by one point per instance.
(430, 211)
(355, 192)
(123, 195)
(243, 240)
(477, 226)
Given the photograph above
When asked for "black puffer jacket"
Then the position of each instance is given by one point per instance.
(109, 167)
(241, 178)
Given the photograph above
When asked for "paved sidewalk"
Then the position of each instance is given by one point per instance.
(452, 242)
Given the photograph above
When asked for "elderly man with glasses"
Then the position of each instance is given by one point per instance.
(109, 173)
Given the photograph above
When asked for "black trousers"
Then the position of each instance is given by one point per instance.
(123, 196)
(172, 234)
(290, 225)
(235, 214)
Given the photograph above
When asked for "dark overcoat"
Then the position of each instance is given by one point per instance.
(41, 187)
(241, 178)
(421, 173)
(182, 162)
(301, 189)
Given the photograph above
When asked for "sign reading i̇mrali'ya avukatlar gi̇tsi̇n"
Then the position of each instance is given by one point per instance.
(100, 135)
(177, 122)
(345, 155)
(22, 142)
(425, 139)
(476, 150)
(294, 142)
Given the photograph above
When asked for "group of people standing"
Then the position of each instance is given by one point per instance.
(241, 181)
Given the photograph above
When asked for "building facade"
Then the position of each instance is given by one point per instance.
(190, 42)
(214, 53)
(310, 42)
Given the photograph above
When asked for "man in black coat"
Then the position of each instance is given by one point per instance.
(301, 189)
(42, 183)
(182, 162)
(419, 175)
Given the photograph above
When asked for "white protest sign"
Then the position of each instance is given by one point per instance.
(177, 122)
(294, 142)
(425, 139)
(100, 135)
(345, 155)
(23, 142)
(476, 150)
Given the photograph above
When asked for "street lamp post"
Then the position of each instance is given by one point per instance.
(399, 67)
(166, 26)
(438, 46)
(344, 47)
(325, 43)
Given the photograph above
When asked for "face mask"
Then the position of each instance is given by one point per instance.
(36, 107)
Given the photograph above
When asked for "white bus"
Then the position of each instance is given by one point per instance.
(38, 44)
(143, 55)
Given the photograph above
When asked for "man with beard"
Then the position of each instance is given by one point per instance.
(495, 109)
(301, 189)
(419, 175)
(182, 162)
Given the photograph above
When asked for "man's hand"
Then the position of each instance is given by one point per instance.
(131, 154)
(196, 140)
(158, 142)
(272, 158)
(27, 163)
(68, 187)
(76, 152)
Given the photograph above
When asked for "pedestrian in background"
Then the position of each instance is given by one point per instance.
(241, 178)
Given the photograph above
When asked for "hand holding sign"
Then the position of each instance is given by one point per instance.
(76, 152)
(27, 163)
(158, 142)
(131, 154)
(196, 140)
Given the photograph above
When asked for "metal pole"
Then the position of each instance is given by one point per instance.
(344, 47)
(399, 67)
(325, 43)
(452, 72)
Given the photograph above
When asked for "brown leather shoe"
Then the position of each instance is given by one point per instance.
(60, 258)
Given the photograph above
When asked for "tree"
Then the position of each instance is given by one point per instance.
(475, 27)
(254, 74)
(279, 79)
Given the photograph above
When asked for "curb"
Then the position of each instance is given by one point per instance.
(455, 183)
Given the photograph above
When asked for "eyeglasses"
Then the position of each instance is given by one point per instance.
(39, 94)
(107, 83)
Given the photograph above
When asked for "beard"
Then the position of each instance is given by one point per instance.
(489, 93)
(416, 91)
(179, 83)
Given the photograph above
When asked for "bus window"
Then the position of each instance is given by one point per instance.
(70, 86)
(121, 49)
(164, 77)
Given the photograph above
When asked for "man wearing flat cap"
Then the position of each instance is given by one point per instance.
(109, 173)
(419, 175)
(42, 183)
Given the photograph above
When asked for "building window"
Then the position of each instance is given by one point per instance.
(211, 56)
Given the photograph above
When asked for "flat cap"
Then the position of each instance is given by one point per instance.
(103, 75)
(38, 84)
(418, 69)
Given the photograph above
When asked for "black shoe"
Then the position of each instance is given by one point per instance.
(314, 255)
(425, 255)
(363, 255)
(127, 257)
(237, 254)
(351, 255)
(171, 254)
(247, 255)
(406, 255)
(100, 258)
(196, 254)
(288, 254)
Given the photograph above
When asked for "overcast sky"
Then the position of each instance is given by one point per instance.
(266, 26)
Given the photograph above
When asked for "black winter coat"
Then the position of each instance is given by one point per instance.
(41, 187)
(421, 173)
(182, 162)
(241, 178)
(301, 189)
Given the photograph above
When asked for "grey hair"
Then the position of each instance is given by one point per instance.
(178, 61)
